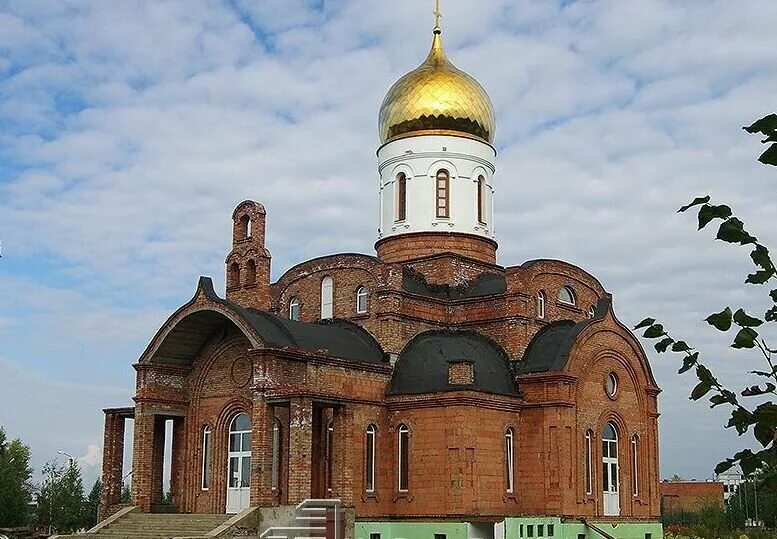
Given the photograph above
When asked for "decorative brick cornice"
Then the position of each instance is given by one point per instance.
(293, 354)
(458, 398)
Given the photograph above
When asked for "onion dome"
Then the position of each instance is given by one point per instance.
(437, 98)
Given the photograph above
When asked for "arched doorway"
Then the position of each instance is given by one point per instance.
(610, 472)
(239, 464)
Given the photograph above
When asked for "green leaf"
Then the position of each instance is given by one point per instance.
(764, 434)
(769, 157)
(704, 375)
(760, 256)
(766, 414)
(647, 322)
(745, 338)
(754, 391)
(663, 344)
(689, 362)
(773, 295)
(759, 277)
(696, 202)
(709, 212)
(701, 389)
(721, 320)
(732, 230)
(744, 320)
(765, 125)
(771, 315)
(654, 331)
(724, 466)
(680, 346)
(740, 419)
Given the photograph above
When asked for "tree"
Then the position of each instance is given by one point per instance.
(15, 482)
(749, 407)
(61, 503)
(93, 503)
(126, 493)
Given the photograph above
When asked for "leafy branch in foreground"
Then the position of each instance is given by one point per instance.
(750, 407)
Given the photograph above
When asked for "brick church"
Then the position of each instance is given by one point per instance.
(432, 390)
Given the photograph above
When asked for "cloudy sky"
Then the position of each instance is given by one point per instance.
(129, 130)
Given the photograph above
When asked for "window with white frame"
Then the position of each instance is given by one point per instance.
(482, 199)
(591, 311)
(206, 451)
(635, 465)
(589, 488)
(362, 299)
(327, 289)
(541, 304)
(369, 458)
(403, 456)
(294, 309)
(443, 194)
(566, 295)
(509, 460)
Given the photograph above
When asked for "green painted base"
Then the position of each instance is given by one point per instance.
(510, 528)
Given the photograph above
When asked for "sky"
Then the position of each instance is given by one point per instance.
(130, 130)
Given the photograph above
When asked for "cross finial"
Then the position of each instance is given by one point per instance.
(437, 15)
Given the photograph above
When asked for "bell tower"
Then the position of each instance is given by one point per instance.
(248, 264)
(436, 163)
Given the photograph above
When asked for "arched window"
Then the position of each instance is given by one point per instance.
(327, 306)
(510, 460)
(610, 480)
(206, 451)
(591, 311)
(566, 295)
(541, 304)
(482, 199)
(276, 454)
(233, 281)
(443, 194)
(635, 465)
(401, 213)
(294, 309)
(403, 456)
(589, 487)
(250, 273)
(362, 298)
(369, 458)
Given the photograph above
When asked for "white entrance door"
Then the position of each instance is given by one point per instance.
(610, 475)
(239, 464)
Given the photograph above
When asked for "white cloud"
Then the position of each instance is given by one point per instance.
(130, 131)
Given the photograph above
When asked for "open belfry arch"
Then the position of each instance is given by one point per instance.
(425, 386)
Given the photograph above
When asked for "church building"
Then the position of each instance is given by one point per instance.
(432, 390)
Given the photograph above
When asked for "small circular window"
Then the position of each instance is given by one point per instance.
(612, 384)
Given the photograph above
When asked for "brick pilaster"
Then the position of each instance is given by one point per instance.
(346, 466)
(300, 449)
(177, 466)
(141, 460)
(261, 453)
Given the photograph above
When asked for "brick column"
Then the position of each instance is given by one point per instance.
(141, 459)
(300, 449)
(177, 463)
(147, 460)
(261, 453)
(113, 461)
(348, 444)
(158, 460)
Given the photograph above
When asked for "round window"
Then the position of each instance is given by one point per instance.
(612, 384)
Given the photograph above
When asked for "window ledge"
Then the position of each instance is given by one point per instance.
(403, 496)
(361, 316)
(370, 497)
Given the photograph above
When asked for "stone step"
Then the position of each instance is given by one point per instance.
(162, 525)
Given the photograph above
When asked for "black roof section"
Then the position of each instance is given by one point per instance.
(485, 284)
(336, 338)
(550, 347)
(423, 364)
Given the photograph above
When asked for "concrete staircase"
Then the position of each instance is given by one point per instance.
(137, 525)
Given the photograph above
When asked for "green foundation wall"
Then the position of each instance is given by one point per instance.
(512, 529)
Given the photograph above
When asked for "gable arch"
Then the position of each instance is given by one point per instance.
(183, 335)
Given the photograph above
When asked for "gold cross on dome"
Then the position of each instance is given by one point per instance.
(437, 13)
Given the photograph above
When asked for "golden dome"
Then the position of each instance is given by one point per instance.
(436, 97)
